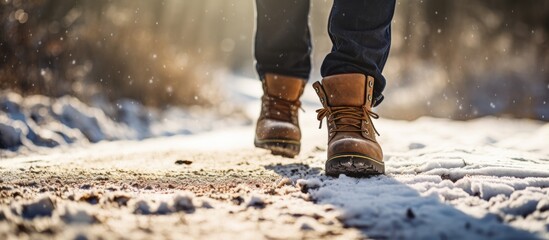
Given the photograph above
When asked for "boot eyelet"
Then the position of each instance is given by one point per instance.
(369, 97)
(371, 83)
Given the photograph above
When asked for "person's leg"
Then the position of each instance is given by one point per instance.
(282, 40)
(352, 84)
(282, 49)
(360, 31)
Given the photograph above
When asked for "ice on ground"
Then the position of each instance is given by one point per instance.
(405, 207)
(451, 186)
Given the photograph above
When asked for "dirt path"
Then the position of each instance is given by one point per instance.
(165, 187)
(178, 187)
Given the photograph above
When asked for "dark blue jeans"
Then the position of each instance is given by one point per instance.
(360, 31)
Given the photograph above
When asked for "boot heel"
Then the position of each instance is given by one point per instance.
(354, 165)
(281, 147)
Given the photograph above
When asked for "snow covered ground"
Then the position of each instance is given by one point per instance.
(481, 179)
(30, 123)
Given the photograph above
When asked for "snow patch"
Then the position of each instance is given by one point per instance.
(489, 190)
(38, 121)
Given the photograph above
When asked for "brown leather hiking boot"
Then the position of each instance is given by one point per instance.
(278, 126)
(352, 146)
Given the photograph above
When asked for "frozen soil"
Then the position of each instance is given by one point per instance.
(483, 179)
(246, 194)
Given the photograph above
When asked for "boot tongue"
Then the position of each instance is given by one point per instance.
(285, 87)
(345, 90)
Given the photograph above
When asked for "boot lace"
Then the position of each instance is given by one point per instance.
(280, 109)
(356, 114)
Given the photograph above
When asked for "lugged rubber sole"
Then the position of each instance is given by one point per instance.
(354, 165)
(281, 147)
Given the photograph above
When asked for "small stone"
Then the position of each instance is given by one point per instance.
(256, 202)
(183, 203)
(31, 184)
(142, 207)
(306, 227)
(306, 223)
(410, 214)
(319, 149)
(16, 194)
(181, 162)
(206, 205)
(101, 178)
(237, 200)
(42, 208)
(163, 209)
(416, 146)
(306, 184)
(121, 200)
(78, 216)
(80, 236)
(283, 182)
(90, 198)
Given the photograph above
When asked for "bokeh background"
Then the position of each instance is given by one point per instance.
(455, 59)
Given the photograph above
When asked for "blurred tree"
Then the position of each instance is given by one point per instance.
(471, 58)
(458, 59)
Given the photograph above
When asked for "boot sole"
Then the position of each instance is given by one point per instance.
(354, 165)
(280, 147)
